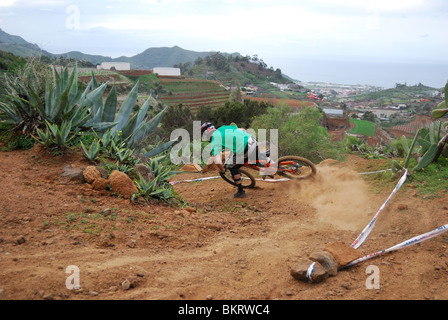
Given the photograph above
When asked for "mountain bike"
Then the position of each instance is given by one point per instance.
(291, 167)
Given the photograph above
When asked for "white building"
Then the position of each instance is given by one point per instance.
(167, 72)
(119, 66)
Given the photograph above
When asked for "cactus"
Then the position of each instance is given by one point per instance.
(428, 158)
(396, 167)
(410, 149)
(442, 108)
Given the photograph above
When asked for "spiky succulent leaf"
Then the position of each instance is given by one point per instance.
(126, 109)
(159, 150)
(110, 106)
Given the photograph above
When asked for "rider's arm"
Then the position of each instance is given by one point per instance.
(218, 160)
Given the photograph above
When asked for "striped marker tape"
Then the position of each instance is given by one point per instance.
(196, 180)
(309, 273)
(375, 172)
(405, 244)
(366, 232)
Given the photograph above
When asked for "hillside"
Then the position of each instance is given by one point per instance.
(19, 46)
(234, 70)
(148, 59)
(9, 61)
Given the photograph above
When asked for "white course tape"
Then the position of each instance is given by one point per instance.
(197, 180)
(211, 178)
(366, 232)
(375, 172)
(309, 273)
(405, 244)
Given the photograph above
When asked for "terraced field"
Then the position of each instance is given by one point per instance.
(193, 93)
(411, 128)
(290, 102)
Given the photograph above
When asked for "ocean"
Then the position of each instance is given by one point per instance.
(379, 74)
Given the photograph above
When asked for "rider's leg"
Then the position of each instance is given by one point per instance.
(238, 181)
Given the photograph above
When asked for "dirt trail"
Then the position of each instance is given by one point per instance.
(227, 249)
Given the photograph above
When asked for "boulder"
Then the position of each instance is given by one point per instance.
(74, 174)
(91, 174)
(121, 184)
(104, 173)
(100, 184)
(144, 171)
(327, 261)
(300, 271)
(342, 253)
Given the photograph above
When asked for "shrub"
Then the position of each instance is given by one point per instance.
(300, 134)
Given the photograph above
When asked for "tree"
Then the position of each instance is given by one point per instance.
(300, 135)
(369, 116)
(177, 117)
(241, 113)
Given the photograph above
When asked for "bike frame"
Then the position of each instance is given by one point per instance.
(265, 164)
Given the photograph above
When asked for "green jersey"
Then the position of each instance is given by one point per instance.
(230, 138)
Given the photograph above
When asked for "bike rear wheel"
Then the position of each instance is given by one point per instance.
(248, 180)
(296, 168)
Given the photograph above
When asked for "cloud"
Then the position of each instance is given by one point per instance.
(31, 3)
(7, 3)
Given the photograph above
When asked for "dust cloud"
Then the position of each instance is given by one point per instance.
(339, 195)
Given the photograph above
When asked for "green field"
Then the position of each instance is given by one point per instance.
(365, 128)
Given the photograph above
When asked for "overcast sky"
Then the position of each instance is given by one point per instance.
(352, 30)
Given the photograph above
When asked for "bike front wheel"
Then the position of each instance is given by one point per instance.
(248, 180)
(296, 168)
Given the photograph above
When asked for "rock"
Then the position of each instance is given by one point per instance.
(342, 253)
(20, 240)
(121, 184)
(106, 212)
(403, 207)
(300, 271)
(74, 174)
(144, 171)
(132, 244)
(48, 296)
(100, 184)
(103, 172)
(126, 284)
(113, 288)
(191, 168)
(91, 174)
(133, 281)
(327, 261)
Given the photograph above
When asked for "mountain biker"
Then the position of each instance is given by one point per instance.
(243, 146)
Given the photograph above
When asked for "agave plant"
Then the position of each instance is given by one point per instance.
(62, 101)
(92, 153)
(133, 128)
(56, 135)
(18, 106)
(159, 187)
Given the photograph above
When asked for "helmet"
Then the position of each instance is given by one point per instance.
(206, 126)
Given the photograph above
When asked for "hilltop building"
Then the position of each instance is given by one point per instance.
(116, 66)
(167, 72)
